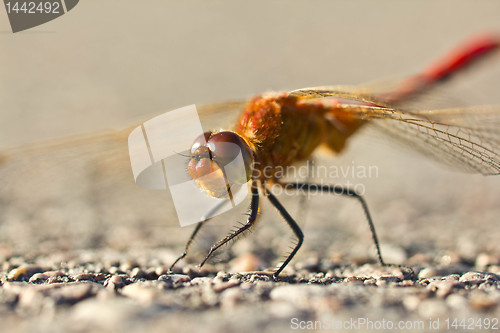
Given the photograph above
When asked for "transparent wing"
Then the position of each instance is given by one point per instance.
(83, 180)
(466, 139)
(212, 115)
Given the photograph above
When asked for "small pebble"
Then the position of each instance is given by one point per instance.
(354, 280)
(246, 263)
(443, 288)
(222, 276)
(23, 273)
(201, 280)
(450, 259)
(483, 260)
(451, 277)
(495, 269)
(427, 273)
(100, 277)
(39, 278)
(160, 270)
(45, 276)
(137, 273)
(383, 280)
(115, 282)
(84, 277)
(173, 280)
(407, 283)
(473, 277)
(115, 270)
(370, 282)
(128, 265)
(259, 277)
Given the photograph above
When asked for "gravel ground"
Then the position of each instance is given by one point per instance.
(88, 259)
(83, 248)
(121, 294)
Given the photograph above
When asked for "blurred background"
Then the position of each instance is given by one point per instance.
(108, 63)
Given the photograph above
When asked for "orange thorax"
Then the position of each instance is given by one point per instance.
(282, 130)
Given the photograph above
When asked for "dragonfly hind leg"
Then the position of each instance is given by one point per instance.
(408, 272)
(336, 189)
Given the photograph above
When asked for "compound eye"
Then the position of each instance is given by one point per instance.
(225, 147)
(200, 141)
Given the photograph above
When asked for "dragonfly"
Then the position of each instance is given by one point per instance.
(278, 129)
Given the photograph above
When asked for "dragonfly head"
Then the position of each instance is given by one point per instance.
(219, 162)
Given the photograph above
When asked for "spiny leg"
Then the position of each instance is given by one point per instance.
(336, 189)
(204, 219)
(188, 244)
(254, 208)
(291, 222)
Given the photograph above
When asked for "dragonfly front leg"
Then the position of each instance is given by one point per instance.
(188, 244)
(254, 208)
(204, 219)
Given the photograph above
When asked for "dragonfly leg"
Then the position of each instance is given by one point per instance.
(204, 219)
(336, 189)
(291, 222)
(188, 244)
(254, 208)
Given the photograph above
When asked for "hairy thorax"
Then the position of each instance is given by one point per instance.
(282, 131)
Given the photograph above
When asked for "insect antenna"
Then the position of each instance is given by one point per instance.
(180, 154)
